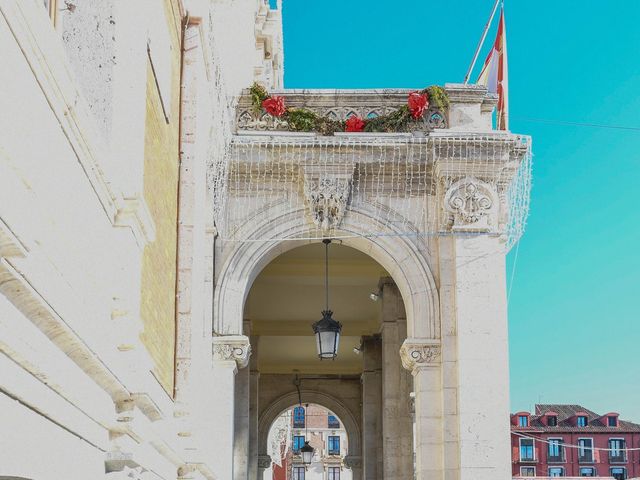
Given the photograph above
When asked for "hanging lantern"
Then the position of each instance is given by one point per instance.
(327, 330)
(307, 452)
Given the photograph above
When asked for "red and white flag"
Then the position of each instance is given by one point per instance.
(494, 74)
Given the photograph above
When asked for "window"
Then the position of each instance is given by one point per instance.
(582, 421)
(298, 417)
(585, 450)
(616, 450)
(612, 421)
(587, 472)
(619, 473)
(527, 471)
(552, 421)
(298, 443)
(556, 472)
(333, 422)
(334, 445)
(298, 473)
(555, 452)
(526, 449)
(333, 473)
(523, 421)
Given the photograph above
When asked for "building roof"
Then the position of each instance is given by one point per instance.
(595, 423)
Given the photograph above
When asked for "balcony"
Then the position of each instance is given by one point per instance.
(556, 459)
(617, 458)
(470, 108)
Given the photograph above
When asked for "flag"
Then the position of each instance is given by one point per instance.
(494, 74)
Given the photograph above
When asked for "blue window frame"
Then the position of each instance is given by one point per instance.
(523, 421)
(555, 452)
(333, 473)
(298, 417)
(587, 472)
(619, 473)
(612, 421)
(556, 472)
(298, 473)
(334, 445)
(526, 449)
(333, 421)
(582, 421)
(298, 443)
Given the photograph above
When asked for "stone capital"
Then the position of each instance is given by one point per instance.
(264, 461)
(352, 461)
(420, 353)
(232, 348)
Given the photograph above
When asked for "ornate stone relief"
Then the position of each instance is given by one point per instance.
(419, 353)
(327, 192)
(232, 347)
(473, 205)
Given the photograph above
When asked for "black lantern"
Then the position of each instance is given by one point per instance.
(307, 453)
(327, 330)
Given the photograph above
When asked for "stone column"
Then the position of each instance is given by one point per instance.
(474, 319)
(264, 462)
(372, 408)
(229, 353)
(397, 428)
(254, 382)
(355, 464)
(242, 420)
(422, 358)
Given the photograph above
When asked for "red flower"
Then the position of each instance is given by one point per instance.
(418, 103)
(354, 124)
(274, 106)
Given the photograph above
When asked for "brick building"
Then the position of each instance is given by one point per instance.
(572, 441)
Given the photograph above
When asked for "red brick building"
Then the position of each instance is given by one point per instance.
(571, 441)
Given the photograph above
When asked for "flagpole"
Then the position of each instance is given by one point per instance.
(484, 35)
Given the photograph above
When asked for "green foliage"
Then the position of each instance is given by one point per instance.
(304, 120)
(258, 95)
(438, 97)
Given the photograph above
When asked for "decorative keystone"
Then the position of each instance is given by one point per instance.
(232, 347)
(327, 194)
(416, 353)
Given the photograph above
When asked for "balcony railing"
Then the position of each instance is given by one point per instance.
(617, 458)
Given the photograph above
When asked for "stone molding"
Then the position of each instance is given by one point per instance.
(417, 353)
(473, 204)
(235, 348)
(134, 213)
(10, 246)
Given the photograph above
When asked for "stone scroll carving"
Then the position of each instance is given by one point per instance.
(473, 205)
(264, 461)
(232, 348)
(419, 353)
(327, 194)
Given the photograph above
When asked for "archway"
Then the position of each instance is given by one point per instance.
(404, 257)
(321, 434)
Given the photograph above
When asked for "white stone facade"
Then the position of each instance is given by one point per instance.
(78, 396)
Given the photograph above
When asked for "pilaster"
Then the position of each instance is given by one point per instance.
(423, 359)
(229, 353)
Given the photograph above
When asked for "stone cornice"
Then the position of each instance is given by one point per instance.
(419, 353)
(10, 246)
(235, 348)
(134, 213)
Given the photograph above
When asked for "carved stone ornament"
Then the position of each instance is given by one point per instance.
(419, 353)
(264, 461)
(232, 347)
(327, 193)
(473, 204)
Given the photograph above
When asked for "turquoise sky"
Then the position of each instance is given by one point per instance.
(574, 321)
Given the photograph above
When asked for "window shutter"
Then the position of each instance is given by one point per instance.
(596, 456)
(516, 454)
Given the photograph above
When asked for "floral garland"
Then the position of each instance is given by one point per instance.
(305, 120)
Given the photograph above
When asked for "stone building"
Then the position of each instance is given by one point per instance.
(572, 441)
(161, 257)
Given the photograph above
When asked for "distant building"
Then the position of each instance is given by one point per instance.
(326, 435)
(571, 441)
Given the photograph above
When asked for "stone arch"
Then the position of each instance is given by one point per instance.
(281, 404)
(403, 256)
